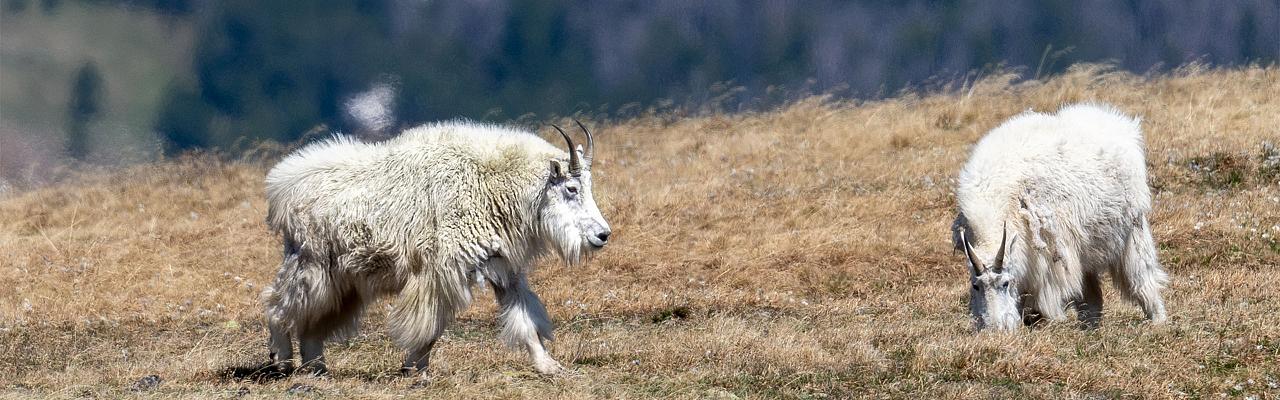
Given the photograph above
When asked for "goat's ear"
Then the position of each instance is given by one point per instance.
(557, 170)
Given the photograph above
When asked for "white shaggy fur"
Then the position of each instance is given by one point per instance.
(421, 216)
(1072, 190)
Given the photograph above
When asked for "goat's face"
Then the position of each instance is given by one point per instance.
(994, 300)
(569, 215)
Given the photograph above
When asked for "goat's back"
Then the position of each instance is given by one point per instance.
(1082, 166)
(433, 170)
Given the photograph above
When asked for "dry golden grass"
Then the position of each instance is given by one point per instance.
(797, 253)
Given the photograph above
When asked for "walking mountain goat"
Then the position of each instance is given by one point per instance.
(421, 216)
(1047, 203)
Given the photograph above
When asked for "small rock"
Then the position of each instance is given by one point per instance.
(146, 383)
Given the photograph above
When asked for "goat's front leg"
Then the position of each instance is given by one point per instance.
(525, 323)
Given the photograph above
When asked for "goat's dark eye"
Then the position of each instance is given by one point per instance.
(572, 189)
(975, 287)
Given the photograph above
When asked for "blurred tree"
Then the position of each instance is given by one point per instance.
(82, 107)
(184, 118)
(540, 58)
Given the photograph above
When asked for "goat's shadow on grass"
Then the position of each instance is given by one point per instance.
(266, 372)
(257, 373)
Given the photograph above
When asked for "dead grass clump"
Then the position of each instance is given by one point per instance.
(1220, 170)
(1269, 163)
(952, 119)
(1225, 171)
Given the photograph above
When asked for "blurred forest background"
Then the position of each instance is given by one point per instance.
(111, 81)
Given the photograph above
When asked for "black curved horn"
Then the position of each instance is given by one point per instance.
(591, 143)
(974, 264)
(999, 261)
(575, 165)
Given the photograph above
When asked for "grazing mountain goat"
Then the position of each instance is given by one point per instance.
(1047, 204)
(421, 216)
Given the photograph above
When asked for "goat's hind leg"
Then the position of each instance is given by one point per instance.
(306, 299)
(1140, 277)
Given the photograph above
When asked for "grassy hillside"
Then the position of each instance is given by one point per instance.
(799, 253)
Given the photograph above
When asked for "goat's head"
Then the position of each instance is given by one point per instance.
(570, 216)
(994, 300)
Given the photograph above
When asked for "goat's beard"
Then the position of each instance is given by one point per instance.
(565, 238)
(571, 246)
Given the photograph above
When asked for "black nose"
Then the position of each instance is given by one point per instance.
(603, 236)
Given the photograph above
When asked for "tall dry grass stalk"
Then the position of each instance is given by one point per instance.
(797, 253)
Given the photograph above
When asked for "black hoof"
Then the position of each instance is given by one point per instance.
(1031, 319)
(316, 370)
(280, 368)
